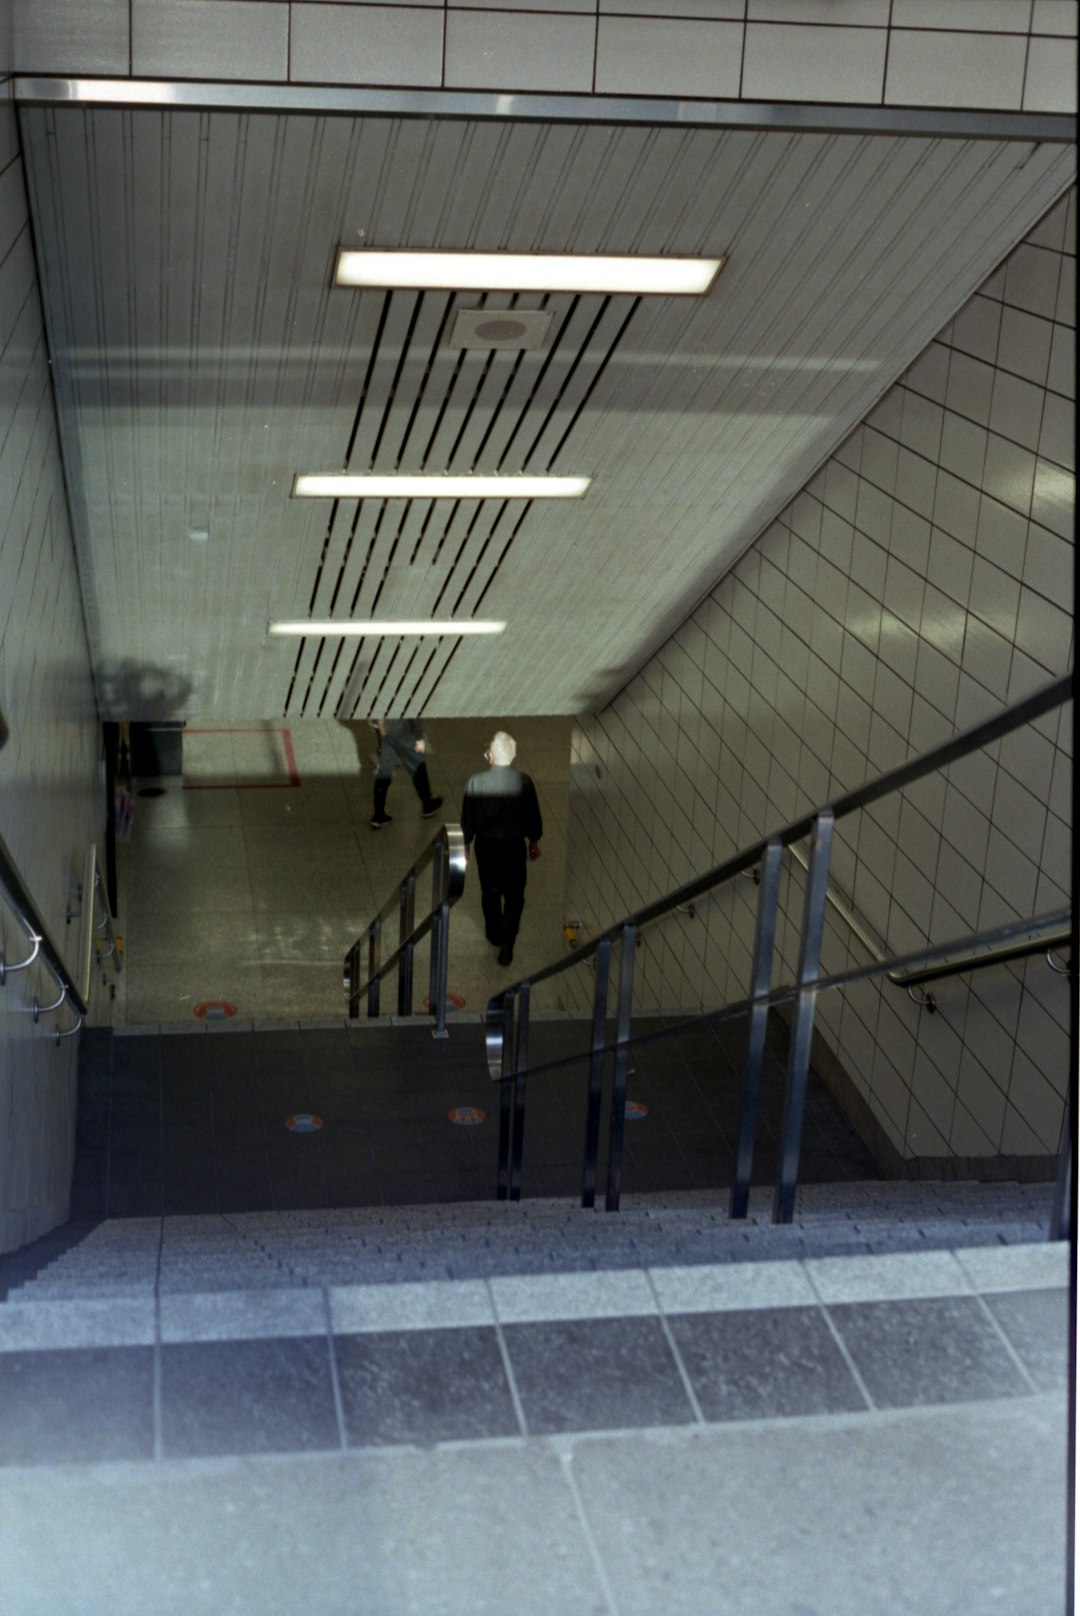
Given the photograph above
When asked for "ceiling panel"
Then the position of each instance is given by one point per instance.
(202, 358)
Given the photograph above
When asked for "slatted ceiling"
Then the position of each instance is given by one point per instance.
(184, 380)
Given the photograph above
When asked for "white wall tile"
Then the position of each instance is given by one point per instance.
(848, 13)
(1010, 473)
(1050, 81)
(717, 10)
(1057, 439)
(586, 6)
(1016, 411)
(996, 16)
(874, 651)
(71, 36)
(1024, 345)
(976, 328)
(366, 44)
(1031, 279)
(1054, 17)
(525, 52)
(1049, 564)
(668, 57)
(1061, 373)
(1053, 503)
(955, 70)
(804, 63)
(1043, 631)
(971, 383)
(226, 39)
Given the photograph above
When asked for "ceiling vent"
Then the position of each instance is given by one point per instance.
(500, 328)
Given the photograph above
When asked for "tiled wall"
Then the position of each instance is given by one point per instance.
(50, 806)
(1003, 54)
(923, 579)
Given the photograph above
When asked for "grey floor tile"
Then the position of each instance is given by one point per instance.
(231, 1397)
(926, 1513)
(424, 1386)
(764, 1363)
(937, 1350)
(77, 1405)
(596, 1375)
(1037, 1325)
(378, 1533)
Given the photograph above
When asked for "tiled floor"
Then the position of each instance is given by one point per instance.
(197, 1122)
(250, 892)
(836, 1435)
(510, 1359)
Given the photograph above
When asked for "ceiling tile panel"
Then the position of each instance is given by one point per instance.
(202, 357)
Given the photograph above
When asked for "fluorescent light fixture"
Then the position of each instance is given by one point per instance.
(526, 272)
(361, 630)
(316, 485)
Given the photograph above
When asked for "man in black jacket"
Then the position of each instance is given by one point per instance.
(499, 816)
(401, 740)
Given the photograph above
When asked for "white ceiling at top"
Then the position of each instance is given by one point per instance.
(202, 358)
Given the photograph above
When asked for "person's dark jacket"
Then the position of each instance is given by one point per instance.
(501, 804)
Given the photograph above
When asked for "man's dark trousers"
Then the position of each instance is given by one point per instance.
(501, 866)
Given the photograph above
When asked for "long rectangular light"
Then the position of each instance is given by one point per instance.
(317, 485)
(526, 272)
(357, 630)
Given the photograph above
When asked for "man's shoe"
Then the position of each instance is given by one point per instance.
(506, 955)
(380, 819)
(431, 807)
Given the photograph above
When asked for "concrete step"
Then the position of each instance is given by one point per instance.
(214, 1253)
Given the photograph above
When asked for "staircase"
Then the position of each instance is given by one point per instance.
(464, 1405)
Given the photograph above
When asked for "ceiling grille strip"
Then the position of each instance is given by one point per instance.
(436, 408)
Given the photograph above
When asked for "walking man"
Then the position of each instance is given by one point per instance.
(401, 740)
(499, 816)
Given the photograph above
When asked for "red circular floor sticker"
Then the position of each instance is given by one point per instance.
(215, 1010)
(467, 1116)
(304, 1122)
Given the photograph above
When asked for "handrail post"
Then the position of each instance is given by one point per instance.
(1061, 1210)
(405, 958)
(521, 1061)
(440, 939)
(803, 1024)
(764, 942)
(502, 1182)
(352, 998)
(622, 1063)
(597, 1061)
(374, 962)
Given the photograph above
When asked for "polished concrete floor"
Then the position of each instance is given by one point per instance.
(247, 878)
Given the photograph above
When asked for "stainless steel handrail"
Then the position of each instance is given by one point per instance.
(447, 855)
(37, 933)
(1044, 938)
(874, 947)
(93, 885)
(506, 1042)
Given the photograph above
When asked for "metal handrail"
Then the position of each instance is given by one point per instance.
(972, 957)
(37, 933)
(873, 947)
(507, 1036)
(92, 883)
(447, 855)
(1047, 934)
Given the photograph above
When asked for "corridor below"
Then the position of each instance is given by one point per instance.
(246, 880)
